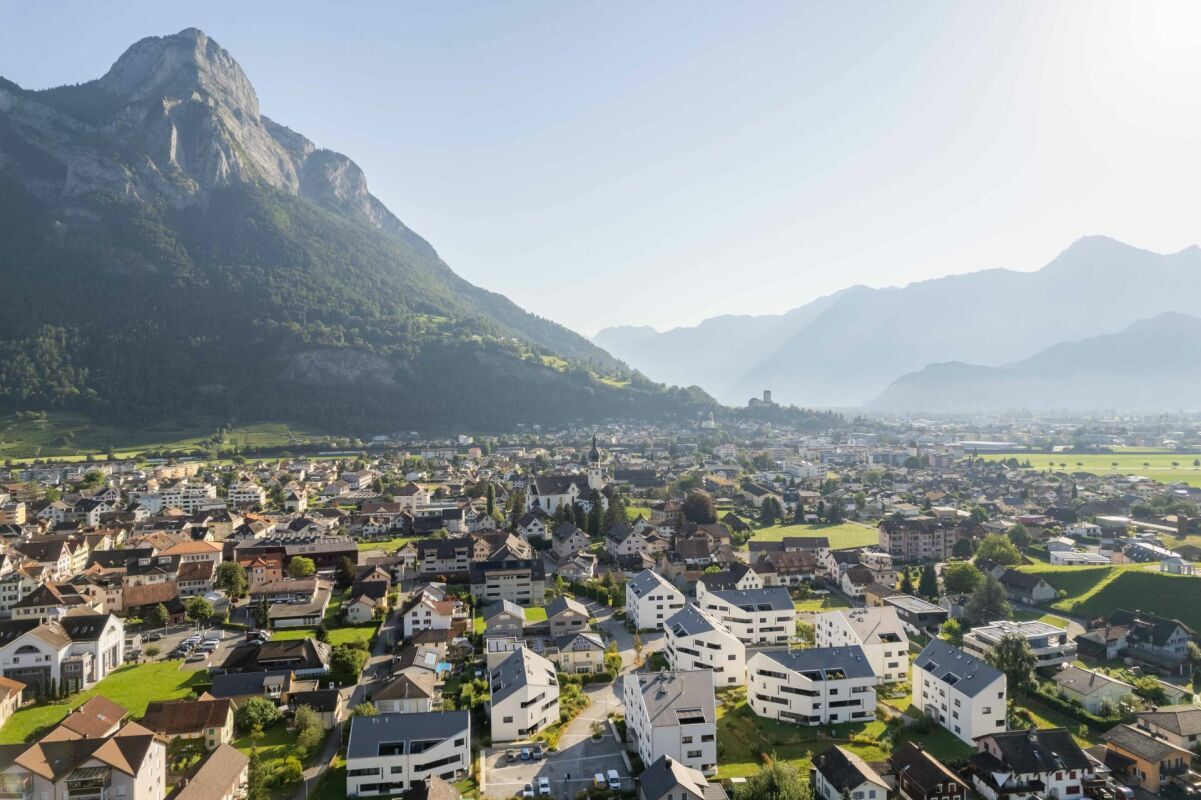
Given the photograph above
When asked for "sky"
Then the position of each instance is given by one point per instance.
(658, 163)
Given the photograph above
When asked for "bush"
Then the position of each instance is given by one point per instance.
(256, 713)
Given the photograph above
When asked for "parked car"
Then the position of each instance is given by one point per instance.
(598, 780)
(544, 785)
(614, 780)
(152, 637)
(539, 750)
(528, 791)
(510, 756)
(525, 754)
(197, 657)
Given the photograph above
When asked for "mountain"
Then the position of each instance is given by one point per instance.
(171, 252)
(713, 353)
(1151, 365)
(863, 339)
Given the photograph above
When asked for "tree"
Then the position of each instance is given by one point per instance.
(595, 516)
(346, 661)
(953, 630)
(776, 780)
(301, 567)
(157, 616)
(963, 548)
(231, 576)
(344, 572)
(198, 609)
(1013, 656)
(256, 778)
(998, 549)
(770, 511)
(906, 581)
(261, 616)
(257, 713)
(928, 585)
(961, 577)
(309, 730)
(637, 650)
(364, 709)
(698, 507)
(988, 602)
(490, 499)
(612, 659)
(1020, 536)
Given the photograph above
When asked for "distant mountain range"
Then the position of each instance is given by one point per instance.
(1151, 365)
(847, 349)
(168, 251)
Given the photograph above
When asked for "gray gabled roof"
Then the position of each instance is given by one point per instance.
(503, 606)
(648, 581)
(952, 666)
(563, 603)
(691, 621)
(850, 661)
(769, 598)
(522, 668)
(668, 695)
(666, 774)
(368, 733)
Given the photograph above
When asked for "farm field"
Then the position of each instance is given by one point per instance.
(842, 536)
(1166, 467)
(72, 437)
(132, 686)
(1097, 591)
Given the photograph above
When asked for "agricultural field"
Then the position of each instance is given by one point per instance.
(1163, 466)
(842, 536)
(1097, 591)
(72, 437)
(133, 686)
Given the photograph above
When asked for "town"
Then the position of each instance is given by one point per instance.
(880, 610)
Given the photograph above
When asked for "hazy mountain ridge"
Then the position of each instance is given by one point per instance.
(170, 251)
(866, 338)
(1151, 365)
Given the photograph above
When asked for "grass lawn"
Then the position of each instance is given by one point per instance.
(1155, 465)
(132, 686)
(333, 783)
(1050, 619)
(343, 635)
(842, 536)
(1097, 591)
(822, 603)
(277, 743)
(388, 544)
(535, 614)
(638, 511)
(1049, 718)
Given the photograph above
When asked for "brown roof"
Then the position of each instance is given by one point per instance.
(186, 716)
(148, 593)
(195, 571)
(8, 686)
(213, 779)
(96, 717)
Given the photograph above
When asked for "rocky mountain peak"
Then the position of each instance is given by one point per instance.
(185, 65)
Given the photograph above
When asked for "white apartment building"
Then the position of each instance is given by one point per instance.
(695, 640)
(813, 686)
(246, 492)
(525, 696)
(650, 600)
(387, 754)
(755, 616)
(877, 630)
(959, 691)
(673, 714)
(1052, 647)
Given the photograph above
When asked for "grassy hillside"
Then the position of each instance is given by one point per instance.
(1097, 591)
(68, 436)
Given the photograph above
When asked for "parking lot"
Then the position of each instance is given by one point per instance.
(170, 640)
(569, 770)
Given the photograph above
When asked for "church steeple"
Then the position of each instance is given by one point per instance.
(596, 473)
(594, 454)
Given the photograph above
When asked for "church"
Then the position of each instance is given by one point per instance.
(550, 492)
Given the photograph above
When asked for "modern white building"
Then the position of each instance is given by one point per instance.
(525, 696)
(812, 686)
(650, 600)
(245, 492)
(695, 640)
(756, 616)
(388, 754)
(76, 651)
(877, 629)
(1052, 647)
(673, 714)
(959, 691)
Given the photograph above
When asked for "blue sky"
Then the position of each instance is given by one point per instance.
(659, 163)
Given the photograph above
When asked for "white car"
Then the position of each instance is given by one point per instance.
(528, 791)
(614, 780)
(544, 785)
